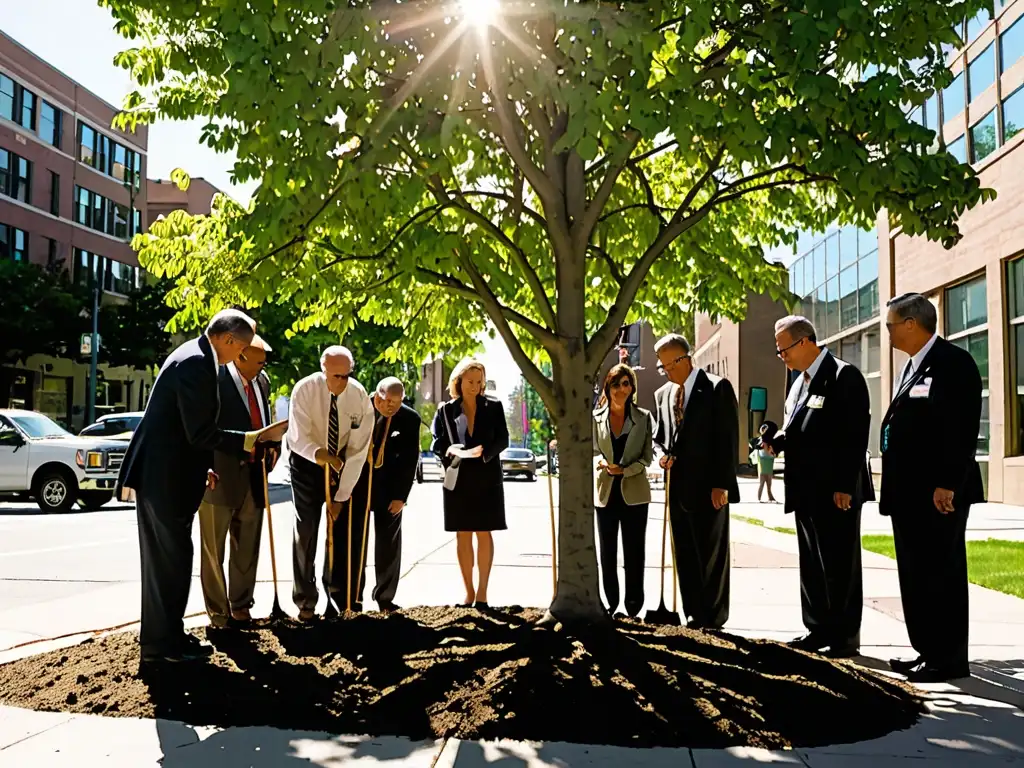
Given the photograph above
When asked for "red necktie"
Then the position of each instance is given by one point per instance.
(254, 413)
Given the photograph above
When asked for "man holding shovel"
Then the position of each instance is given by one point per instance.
(329, 432)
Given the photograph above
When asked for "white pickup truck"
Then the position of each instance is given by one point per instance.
(42, 461)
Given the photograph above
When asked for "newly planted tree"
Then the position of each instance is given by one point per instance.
(555, 167)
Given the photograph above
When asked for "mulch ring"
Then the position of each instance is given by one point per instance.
(459, 672)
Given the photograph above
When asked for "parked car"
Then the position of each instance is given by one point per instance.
(519, 461)
(429, 464)
(40, 460)
(116, 426)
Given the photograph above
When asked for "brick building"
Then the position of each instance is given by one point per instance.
(71, 197)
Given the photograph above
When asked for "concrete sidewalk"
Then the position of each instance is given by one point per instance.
(979, 722)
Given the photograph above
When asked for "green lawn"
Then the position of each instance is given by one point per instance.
(991, 563)
(760, 522)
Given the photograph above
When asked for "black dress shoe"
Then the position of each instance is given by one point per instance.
(190, 649)
(929, 673)
(842, 651)
(388, 607)
(811, 643)
(905, 666)
(482, 605)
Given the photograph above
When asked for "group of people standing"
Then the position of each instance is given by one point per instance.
(206, 443)
(937, 402)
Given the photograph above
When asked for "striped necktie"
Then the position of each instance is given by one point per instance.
(332, 428)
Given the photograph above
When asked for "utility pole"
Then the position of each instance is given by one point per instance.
(94, 348)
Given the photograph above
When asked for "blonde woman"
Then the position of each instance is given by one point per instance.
(623, 434)
(469, 435)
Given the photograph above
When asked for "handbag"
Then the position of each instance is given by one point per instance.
(451, 472)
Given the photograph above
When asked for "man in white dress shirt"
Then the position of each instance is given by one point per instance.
(331, 425)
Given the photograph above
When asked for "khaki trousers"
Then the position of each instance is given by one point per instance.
(245, 524)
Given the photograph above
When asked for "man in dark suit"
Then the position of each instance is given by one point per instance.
(698, 429)
(825, 438)
(392, 459)
(234, 500)
(930, 478)
(166, 467)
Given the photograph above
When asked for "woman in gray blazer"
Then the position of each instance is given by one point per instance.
(623, 439)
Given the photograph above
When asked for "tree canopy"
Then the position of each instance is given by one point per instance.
(559, 167)
(42, 313)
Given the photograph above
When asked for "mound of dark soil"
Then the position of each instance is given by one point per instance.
(432, 672)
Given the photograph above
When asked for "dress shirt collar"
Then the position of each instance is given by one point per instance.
(812, 369)
(918, 359)
(688, 385)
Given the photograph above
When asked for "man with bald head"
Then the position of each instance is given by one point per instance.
(234, 500)
(331, 424)
(383, 488)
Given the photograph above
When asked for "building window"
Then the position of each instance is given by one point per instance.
(983, 137)
(977, 25)
(1013, 114)
(981, 72)
(1015, 293)
(51, 252)
(119, 166)
(23, 181)
(83, 207)
(967, 327)
(867, 275)
(930, 113)
(848, 313)
(54, 193)
(120, 220)
(27, 109)
(86, 143)
(953, 98)
(6, 97)
(1011, 45)
(5, 172)
(13, 243)
(102, 156)
(82, 268)
(958, 149)
(118, 278)
(50, 120)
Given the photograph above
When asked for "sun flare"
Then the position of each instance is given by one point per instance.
(480, 13)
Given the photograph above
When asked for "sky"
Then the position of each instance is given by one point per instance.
(78, 38)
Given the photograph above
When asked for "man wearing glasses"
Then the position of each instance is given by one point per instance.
(234, 493)
(825, 437)
(930, 479)
(331, 425)
(698, 429)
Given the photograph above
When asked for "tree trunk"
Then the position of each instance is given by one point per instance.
(577, 598)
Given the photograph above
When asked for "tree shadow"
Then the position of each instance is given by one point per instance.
(434, 672)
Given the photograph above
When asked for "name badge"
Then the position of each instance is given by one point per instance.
(816, 402)
(922, 390)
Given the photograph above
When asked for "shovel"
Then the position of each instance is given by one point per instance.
(554, 542)
(331, 611)
(276, 613)
(662, 615)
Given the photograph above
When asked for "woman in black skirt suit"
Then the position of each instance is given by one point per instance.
(470, 433)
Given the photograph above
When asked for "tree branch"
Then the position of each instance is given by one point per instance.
(503, 197)
(532, 373)
(582, 230)
(609, 261)
(433, 210)
(652, 204)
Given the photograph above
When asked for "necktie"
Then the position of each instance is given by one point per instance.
(380, 438)
(679, 407)
(908, 372)
(332, 429)
(254, 413)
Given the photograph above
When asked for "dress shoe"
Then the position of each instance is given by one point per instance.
(905, 666)
(811, 643)
(217, 621)
(241, 615)
(929, 673)
(842, 651)
(190, 649)
(388, 607)
(482, 605)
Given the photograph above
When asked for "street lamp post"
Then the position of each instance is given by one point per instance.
(94, 348)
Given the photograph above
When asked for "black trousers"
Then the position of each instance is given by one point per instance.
(931, 557)
(387, 551)
(165, 548)
(308, 497)
(350, 537)
(701, 536)
(831, 578)
(633, 521)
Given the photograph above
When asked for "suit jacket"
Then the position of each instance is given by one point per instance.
(490, 430)
(394, 478)
(637, 456)
(707, 446)
(172, 449)
(826, 440)
(236, 474)
(930, 435)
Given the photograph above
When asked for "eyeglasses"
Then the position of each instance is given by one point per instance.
(784, 350)
(671, 364)
(890, 326)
